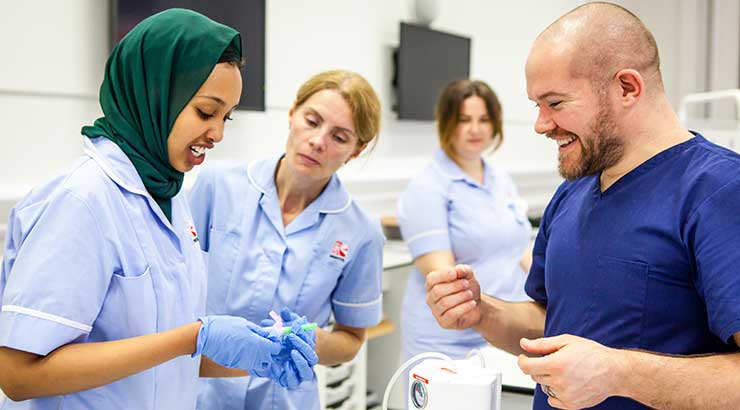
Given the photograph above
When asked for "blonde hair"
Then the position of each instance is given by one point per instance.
(448, 111)
(358, 93)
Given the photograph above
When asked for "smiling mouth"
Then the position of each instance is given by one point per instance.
(197, 150)
(565, 141)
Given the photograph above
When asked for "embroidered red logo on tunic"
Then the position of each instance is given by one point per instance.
(191, 230)
(339, 250)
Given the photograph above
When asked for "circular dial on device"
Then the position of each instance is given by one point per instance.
(419, 396)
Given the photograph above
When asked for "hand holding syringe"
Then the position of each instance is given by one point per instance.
(306, 326)
(294, 363)
(276, 328)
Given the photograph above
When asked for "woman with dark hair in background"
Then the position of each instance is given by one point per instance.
(462, 210)
(103, 282)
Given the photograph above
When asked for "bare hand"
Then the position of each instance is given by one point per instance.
(454, 296)
(579, 372)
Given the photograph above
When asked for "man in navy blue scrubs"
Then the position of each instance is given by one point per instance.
(636, 272)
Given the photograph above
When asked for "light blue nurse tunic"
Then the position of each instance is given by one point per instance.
(89, 257)
(483, 225)
(328, 260)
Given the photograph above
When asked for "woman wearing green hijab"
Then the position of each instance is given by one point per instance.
(103, 282)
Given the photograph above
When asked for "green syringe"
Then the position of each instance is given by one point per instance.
(306, 326)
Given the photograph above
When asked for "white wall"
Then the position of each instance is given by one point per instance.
(53, 54)
(306, 37)
(724, 64)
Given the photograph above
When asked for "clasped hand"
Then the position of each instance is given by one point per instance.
(573, 371)
(454, 295)
(297, 357)
(235, 342)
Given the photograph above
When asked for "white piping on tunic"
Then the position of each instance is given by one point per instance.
(325, 211)
(339, 210)
(92, 153)
(354, 305)
(112, 175)
(47, 316)
(425, 234)
(249, 176)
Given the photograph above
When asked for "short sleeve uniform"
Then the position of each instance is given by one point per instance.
(651, 263)
(328, 260)
(89, 257)
(483, 225)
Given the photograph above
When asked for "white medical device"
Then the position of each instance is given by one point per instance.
(442, 384)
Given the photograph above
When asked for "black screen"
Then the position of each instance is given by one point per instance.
(245, 16)
(427, 60)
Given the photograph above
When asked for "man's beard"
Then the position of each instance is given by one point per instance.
(598, 153)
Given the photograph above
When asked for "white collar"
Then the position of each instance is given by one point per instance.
(333, 200)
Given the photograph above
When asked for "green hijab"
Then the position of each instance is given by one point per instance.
(150, 77)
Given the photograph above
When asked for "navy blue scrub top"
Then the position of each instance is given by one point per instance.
(651, 263)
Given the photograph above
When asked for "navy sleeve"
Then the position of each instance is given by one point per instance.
(535, 285)
(712, 233)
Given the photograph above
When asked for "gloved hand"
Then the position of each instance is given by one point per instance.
(302, 359)
(289, 319)
(293, 365)
(235, 342)
(297, 355)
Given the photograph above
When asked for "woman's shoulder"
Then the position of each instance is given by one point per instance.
(220, 178)
(502, 177)
(497, 171)
(83, 184)
(223, 171)
(84, 179)
(431, 178)
(359, 221)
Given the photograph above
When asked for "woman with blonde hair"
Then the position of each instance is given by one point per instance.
(285, 233)
(462, 210)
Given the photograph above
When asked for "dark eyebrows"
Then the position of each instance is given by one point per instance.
(216, 99)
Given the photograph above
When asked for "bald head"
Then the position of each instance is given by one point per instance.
(599, 39)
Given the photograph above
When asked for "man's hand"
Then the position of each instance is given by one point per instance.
(574, 372)
(454, 296)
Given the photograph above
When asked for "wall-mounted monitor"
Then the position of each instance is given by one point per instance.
(245, 16)
(425, 61)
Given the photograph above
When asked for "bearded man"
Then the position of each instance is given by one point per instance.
(635, 277)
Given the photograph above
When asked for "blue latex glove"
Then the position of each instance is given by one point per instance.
(299, 362)
(235, 342)
(297, 356)
(289, 319)
(293, 365)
